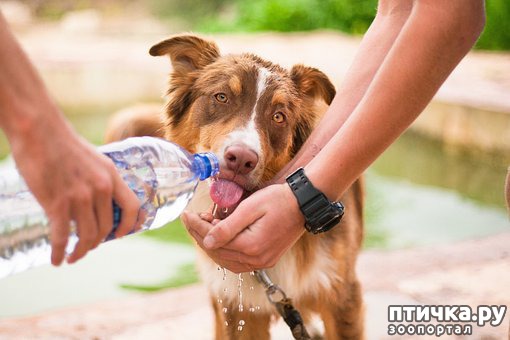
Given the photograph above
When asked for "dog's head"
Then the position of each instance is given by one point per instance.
(253, 114)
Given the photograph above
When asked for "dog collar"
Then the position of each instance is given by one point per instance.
(320, 213)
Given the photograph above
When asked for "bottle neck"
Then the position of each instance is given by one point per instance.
(205, 165)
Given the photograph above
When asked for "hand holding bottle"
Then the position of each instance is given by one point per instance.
(73, 182)
(160, 176)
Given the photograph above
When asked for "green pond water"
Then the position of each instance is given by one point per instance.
(419, 193)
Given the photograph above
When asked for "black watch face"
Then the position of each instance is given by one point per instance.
(328, 225)
(327, 218)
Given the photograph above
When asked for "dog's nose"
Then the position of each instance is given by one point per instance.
(240, 159)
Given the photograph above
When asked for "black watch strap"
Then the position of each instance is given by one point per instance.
(320, 213)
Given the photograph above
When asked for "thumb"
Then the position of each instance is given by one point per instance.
(226, 230)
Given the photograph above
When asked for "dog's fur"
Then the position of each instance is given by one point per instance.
(216, 102)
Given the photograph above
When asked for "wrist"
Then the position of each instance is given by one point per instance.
(320, 214)
(321, 181)
(292, 202)
(33, 122)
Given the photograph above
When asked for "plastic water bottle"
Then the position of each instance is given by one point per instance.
(162, 174)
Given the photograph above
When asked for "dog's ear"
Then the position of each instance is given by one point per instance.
(187, 52)
(313, 83)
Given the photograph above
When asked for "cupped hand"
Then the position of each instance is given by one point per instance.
(73, 182)
(255, 236)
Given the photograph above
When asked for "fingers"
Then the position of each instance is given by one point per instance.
(59, 234)
(225, 231)
(200, 224)
(130, 205)
(86, 226)
(206, 216)
(104, 212)
(93, 214)
(232, 265)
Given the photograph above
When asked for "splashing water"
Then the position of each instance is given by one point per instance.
(240, 290)
(226, 194)
(240, 306)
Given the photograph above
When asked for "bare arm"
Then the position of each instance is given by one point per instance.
(71, 181)
(433, 41)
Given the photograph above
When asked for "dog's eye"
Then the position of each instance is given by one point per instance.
(221, 97)
(279, 117)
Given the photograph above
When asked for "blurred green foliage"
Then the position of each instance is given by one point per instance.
(496, 35)
(301, 15)
(186, 275)
(173, 232)
(350, 16)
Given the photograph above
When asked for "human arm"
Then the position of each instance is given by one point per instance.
(431, 42)
(71, 181)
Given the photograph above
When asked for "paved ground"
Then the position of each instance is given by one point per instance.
(472, 273)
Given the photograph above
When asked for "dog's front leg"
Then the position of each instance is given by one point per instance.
(232, 324)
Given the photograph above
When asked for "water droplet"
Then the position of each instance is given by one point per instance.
(226, 323)
(225, 210)
(252, 310)
(241, 323)
(219, 268)
(240, 291)
(225, 310)
(257, 307)
(252, 288)
(239, 328)
(220, 301)
(224, 274)
(225, 289)
(252, 273)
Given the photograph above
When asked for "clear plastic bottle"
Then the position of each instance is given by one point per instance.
(162, 174)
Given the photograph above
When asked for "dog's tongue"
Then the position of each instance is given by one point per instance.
(225, 193)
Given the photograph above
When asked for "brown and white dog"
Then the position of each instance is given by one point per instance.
(256, 115)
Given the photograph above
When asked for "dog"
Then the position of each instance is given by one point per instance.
(255, 115)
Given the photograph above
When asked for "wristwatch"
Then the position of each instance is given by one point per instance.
(320, 213)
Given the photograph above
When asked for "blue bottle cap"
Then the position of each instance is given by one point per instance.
(205, 165)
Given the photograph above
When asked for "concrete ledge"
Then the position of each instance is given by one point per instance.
(470, 127)
(472, 108)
